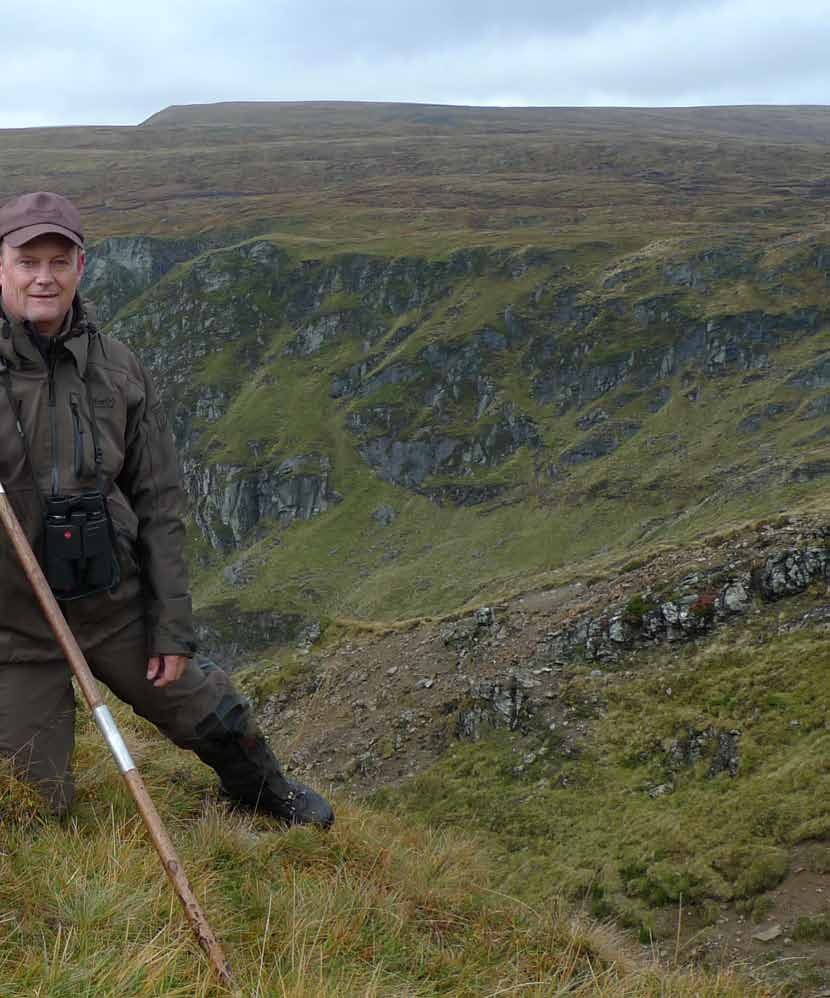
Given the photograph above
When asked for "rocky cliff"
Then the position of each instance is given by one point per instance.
(586, 385)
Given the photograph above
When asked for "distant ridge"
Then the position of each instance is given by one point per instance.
(338, 175)
(773, 123)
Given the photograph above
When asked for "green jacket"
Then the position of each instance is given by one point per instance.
(140, 479)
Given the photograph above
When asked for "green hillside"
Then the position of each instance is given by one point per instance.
(518, 411)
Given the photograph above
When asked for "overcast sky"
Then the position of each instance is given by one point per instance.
(98, 62)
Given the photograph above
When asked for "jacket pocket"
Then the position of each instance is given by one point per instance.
(123, 516)
(126, 553)
(125, 524)
(78, 433)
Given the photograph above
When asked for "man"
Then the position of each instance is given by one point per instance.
(79, 417)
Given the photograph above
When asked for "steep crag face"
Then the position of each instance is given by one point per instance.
(612, 391)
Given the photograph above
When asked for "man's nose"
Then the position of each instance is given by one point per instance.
(44, 274)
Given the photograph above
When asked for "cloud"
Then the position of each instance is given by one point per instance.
(104, 63)
(377, 28)
(738, 52)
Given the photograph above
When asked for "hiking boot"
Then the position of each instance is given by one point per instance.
(299, 806)
(303, 806)
(230, 741)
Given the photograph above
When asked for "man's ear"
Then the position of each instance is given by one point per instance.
(81, 261)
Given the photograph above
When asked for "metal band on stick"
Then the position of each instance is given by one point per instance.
(103, 717)
(109, 729)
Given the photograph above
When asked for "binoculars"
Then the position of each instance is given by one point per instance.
(79, 546)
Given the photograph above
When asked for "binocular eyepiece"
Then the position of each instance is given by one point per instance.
(90, 503)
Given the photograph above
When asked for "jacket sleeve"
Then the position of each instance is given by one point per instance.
(151, 481)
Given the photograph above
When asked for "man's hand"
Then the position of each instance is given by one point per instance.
(165, 669)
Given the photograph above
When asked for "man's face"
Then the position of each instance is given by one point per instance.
(39, 280)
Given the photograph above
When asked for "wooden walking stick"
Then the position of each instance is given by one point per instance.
(109, 729)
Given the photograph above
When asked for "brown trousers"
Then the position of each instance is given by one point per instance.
(37, 708)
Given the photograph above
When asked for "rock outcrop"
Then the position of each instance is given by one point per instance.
(229, 501)
(120, 268)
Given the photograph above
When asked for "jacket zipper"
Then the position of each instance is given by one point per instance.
(53, 424)
(74, 404)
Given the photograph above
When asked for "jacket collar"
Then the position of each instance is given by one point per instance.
(17, 348)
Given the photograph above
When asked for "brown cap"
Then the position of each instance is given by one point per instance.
(31, 215)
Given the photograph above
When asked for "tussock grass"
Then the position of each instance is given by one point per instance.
(377, 907)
